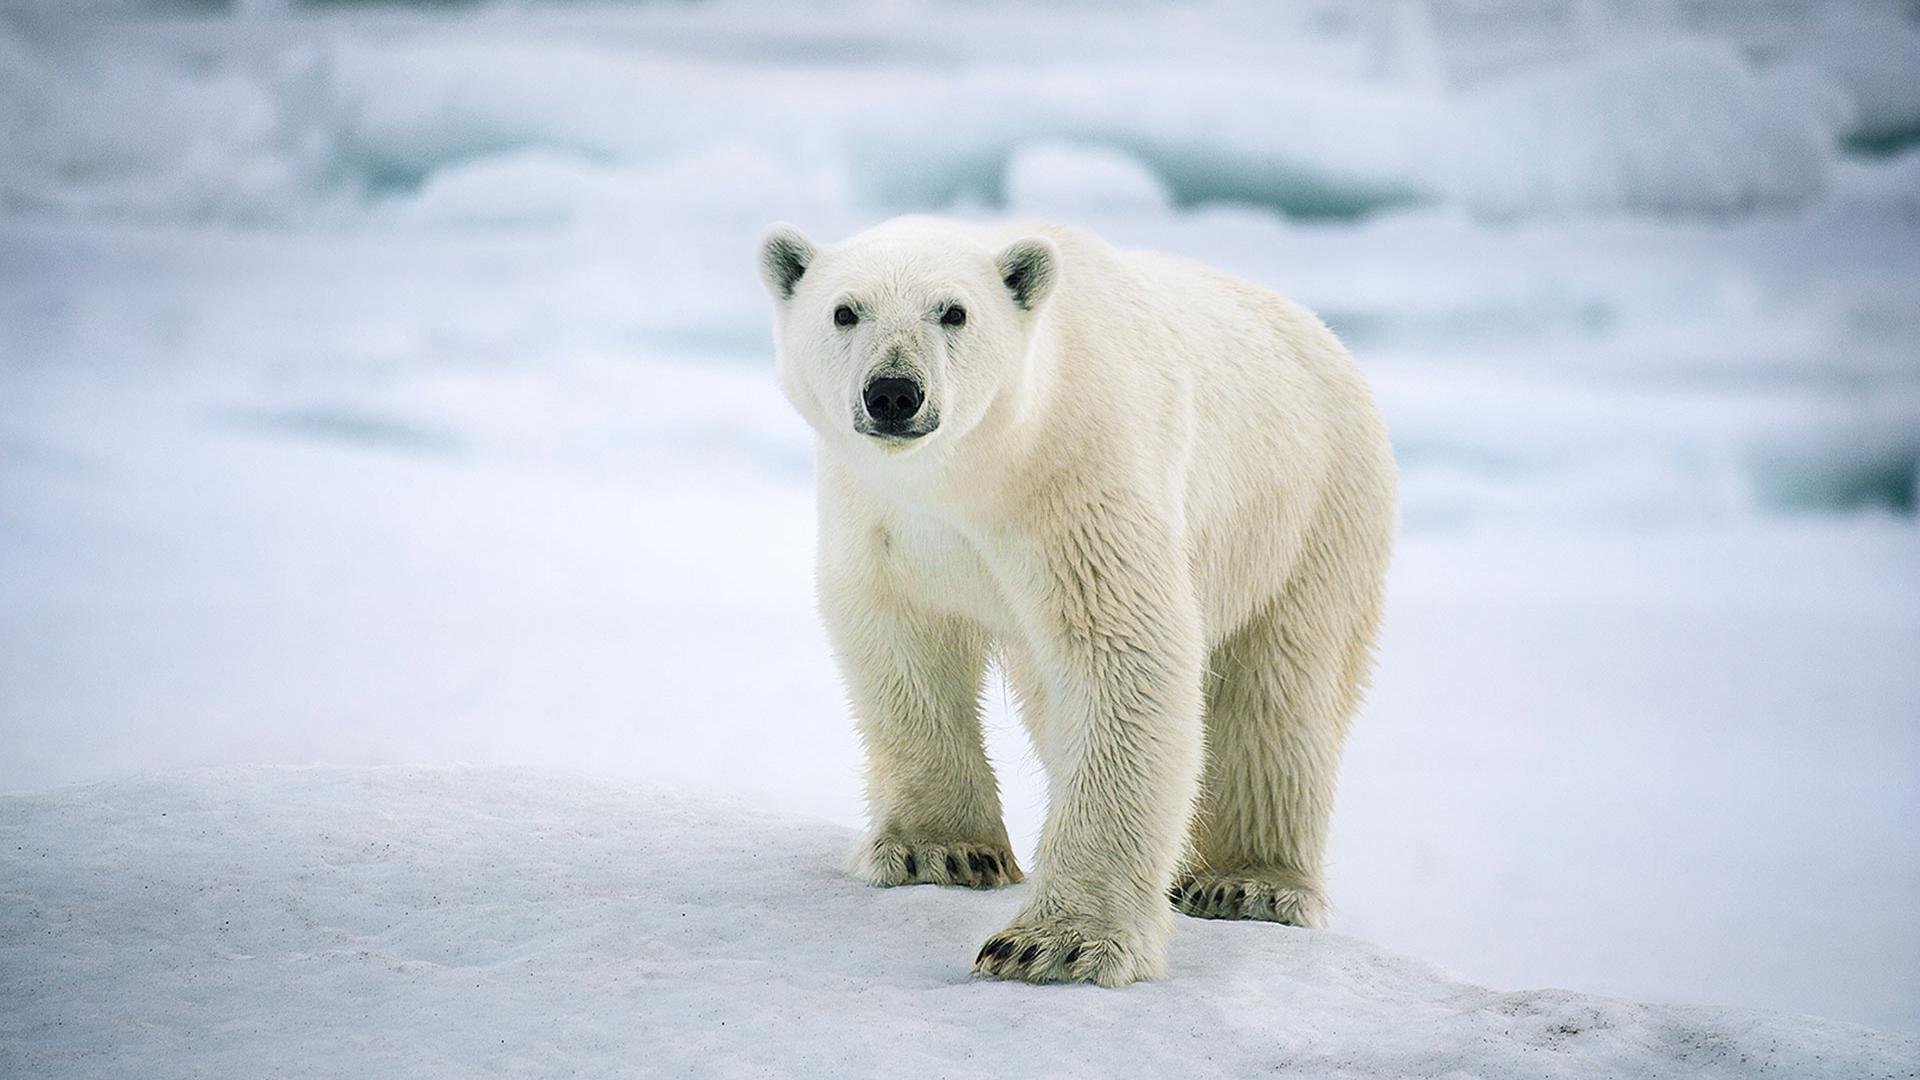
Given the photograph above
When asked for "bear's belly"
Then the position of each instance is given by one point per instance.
(1238, 566)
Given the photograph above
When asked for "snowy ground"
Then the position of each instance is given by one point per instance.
(392, 387)
(430, 923)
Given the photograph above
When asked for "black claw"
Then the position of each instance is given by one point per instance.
(1028, 954)
(1240, 895)
(913, 867)
(993, 863)
(1003, 949)
(953, 867)
(973, 863)
(1220, 895)
(985, 951)
(1072, 955)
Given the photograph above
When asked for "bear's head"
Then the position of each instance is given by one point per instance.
(906, 335)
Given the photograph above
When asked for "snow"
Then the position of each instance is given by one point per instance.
(446, 922)
(578, 569)
(390, 387)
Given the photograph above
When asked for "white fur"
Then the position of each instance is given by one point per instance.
(1163, 498)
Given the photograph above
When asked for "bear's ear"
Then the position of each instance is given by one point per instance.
(1028, 268)
(784, 256)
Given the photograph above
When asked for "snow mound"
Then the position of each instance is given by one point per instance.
(445, 922)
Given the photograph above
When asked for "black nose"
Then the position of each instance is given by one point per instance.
(893, 401)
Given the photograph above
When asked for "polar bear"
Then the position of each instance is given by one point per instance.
(1161, 498)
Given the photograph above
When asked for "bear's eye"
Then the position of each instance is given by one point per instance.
(844, 316)
(954, 316)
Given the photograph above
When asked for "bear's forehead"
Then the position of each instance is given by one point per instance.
(880, 269)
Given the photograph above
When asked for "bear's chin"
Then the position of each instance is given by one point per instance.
(896, 445)
(897, 442)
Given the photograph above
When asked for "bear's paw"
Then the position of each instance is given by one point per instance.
(1064, 953)
(1266, 895)
(892, 860)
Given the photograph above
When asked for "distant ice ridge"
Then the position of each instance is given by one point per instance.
(434, 922)
(528, 121)
(1680, 130)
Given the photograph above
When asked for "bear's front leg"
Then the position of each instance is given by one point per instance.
(915, 679)
(1107, 606)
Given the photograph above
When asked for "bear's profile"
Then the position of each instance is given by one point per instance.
(1162, 498)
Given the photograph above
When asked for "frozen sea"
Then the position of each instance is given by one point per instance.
(389, 386)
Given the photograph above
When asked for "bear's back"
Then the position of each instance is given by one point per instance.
(1244, 393)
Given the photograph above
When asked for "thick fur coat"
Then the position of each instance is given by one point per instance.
(1161, 497)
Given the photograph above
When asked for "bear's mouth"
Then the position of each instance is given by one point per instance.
(897, 435)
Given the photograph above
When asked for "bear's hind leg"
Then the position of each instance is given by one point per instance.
(1280, 693)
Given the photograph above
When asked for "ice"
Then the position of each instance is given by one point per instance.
(337, 127)
(1049, 180)
(441, 922)
(1681, 130)
(539, 188)
(1873, 55)
(139, 136)
(1885, 189)
(392, 386)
